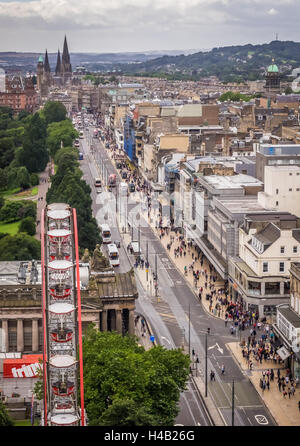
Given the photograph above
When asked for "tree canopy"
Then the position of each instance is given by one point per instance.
(19, 247)
(5, 419)
(127, 385)
(54, 112)
(59, 133)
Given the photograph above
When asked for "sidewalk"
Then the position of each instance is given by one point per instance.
(283, 409)
(180, 261)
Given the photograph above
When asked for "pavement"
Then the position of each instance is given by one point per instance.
(284, 410)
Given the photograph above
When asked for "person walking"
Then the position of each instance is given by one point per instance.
(223, 369)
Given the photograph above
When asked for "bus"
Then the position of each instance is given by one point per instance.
(105, 233)
(112, 180)
(113, 255)
(98, 182)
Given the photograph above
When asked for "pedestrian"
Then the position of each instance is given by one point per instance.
(223, 369)
(299, 405)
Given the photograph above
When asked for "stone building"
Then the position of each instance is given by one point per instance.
(108, 301)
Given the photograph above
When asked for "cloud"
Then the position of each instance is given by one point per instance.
(187, 23)
(273, 11)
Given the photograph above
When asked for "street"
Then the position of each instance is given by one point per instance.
(169, 317)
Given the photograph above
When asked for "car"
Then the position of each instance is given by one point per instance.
(124, 174)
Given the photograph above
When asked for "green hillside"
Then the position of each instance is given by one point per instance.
(232, 63)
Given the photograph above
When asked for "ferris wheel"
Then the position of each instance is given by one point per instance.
(62, 352)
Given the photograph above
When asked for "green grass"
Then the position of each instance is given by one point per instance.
(10, 228)
(34, 190)
(26, 422)
(9, 192)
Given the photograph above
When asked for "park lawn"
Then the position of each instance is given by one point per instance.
(10, 228)
(9, 192)
(26, 422)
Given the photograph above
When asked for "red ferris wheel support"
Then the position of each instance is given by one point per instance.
(62, 324)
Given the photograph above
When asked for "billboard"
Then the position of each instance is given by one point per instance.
(25, 367)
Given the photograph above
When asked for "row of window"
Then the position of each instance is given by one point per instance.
(266, 267)
(282, 249)
(290, 189)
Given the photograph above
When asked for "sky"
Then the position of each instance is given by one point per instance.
(103, 26)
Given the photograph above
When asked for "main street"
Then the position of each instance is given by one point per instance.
(169, 317)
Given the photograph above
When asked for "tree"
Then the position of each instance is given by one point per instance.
(120, 373)
(59, 133)
(19, 247)
(28, 225)
(34, 155)
(34, 179)
(3, 179)
(126, 412)
(288, 90)
(5, 419)
(23, 178)
(54, 112)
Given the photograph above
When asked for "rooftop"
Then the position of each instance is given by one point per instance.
(231, 182)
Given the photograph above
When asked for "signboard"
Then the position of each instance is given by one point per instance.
(283, 353)
(25, 367)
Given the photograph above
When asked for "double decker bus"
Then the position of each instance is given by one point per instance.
(113, 254)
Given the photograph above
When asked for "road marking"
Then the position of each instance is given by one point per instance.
(261, 419)
(166, 339)
(218, 348)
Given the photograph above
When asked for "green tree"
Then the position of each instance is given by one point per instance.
(34, 179)
(19, 247)
(288, 90)
(23, 178)
(126, 412)
(34, 155)
(59, 133)
(54, 112)
(5, 419)
(117, 369)
(28, 225)
(3, 179)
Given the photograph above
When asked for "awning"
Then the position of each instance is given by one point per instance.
(283, 353)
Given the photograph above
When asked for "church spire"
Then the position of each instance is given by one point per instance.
(66, 55)
(46, 63)
(58, 64)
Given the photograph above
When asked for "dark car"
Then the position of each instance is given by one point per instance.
(131, 187)
(119, 165)
(124, 175)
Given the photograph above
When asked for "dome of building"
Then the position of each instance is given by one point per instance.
(273, 68)
(41, 59)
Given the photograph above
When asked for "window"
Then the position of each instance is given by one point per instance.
(291, 174)
(281, 267)
(265, 267)
(297, 189)
(290, 190)
(277, 191)
(281, 249)
(295, 249)
(276, 203)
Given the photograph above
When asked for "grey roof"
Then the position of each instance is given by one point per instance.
(268, 235)
(290, 316)
(296, 234)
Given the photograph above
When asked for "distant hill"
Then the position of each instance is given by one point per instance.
(242, 62)
(92, 61)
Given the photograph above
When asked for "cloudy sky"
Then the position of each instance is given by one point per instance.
(141, 25)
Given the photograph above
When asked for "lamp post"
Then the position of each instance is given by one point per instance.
(232, 404)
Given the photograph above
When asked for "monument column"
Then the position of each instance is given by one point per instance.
(131, 322)
(35, 335)
(20, 335)
(119, 321)
(104, 320)
(4, 334)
